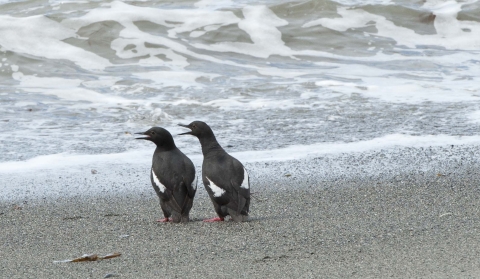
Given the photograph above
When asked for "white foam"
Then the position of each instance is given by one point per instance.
(101, 82)
(215, 4)
(242, 103)
(420, 87)
(239, 103)
(217, 191)
(196, 34)
(267, 40)
(334, 83)
(474, 117)
(184, 21)
(450, 31)
(364, 2)
(183, 101)
(173, 59)
(285, 73)
(24, 104)
(60, 2)
(66, 89)
(71, 161)
(183, 79)
(42, 37)
(293, 152)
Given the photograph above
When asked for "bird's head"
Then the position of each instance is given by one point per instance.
(198, 128)
(157, 135)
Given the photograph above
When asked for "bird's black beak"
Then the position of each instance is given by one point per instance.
(145, 135)
(186, 126)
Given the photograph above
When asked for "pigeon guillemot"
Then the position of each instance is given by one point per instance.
(172, 175)
(224, 177)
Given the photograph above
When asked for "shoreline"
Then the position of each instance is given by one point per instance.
(131, 177)
(406, 226)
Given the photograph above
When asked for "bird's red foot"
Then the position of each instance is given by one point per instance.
(215, 219)
(164, 220)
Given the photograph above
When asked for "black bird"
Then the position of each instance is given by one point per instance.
(172, 175)
(224, 177)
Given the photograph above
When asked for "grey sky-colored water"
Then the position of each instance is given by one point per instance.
(78, 77)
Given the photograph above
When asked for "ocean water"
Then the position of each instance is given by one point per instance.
(276, 80)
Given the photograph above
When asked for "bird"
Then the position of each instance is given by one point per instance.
(172, 176)
(225, 178)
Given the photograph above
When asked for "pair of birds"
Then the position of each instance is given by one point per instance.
(174, 180)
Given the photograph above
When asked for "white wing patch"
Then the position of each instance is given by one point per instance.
(157, 182)
(245, 183)
(217, 191)
(194, 183)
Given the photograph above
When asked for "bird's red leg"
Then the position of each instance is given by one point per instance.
(215, 219)
(164, 220)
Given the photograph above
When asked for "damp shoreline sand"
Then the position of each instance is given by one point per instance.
(409, 225)
(409, 212)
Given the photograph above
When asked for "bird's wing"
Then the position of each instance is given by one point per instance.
(192, 187)
(240, 198)
(241, 181)
(190, 178)
(241, 185)
(165, 189)
(216, 190)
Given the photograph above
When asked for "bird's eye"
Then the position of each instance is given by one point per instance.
(194, 126)
(153, 133)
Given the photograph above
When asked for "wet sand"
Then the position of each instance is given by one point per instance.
(407, 226)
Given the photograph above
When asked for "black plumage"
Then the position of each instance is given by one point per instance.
(225, 178)
(172, 176)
